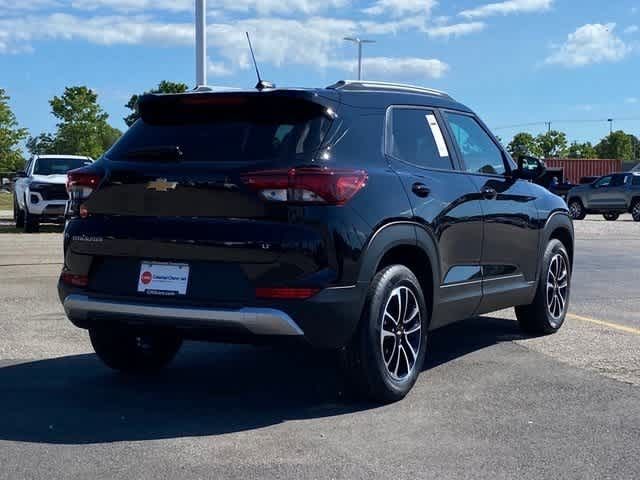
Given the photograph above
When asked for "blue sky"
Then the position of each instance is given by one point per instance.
(515, 62)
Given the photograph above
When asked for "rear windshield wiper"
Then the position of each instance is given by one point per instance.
(161, 153)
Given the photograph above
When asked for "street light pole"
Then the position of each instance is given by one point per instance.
(201, 43)
(359, 42)
(610, 120)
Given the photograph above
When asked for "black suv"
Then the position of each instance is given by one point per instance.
(357, 217)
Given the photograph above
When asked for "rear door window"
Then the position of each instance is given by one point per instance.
(618, 180)
(414, 136)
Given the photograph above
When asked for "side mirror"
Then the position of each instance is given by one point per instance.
(21, 174)
(530, 168)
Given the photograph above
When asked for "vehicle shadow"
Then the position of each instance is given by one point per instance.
(209, 390)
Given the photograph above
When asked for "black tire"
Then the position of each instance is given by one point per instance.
(635, 210)
(31, 222)
(544, 316)
(364, 358)
(576, 209)
(131, 351)
(611, 217)
(18, 214)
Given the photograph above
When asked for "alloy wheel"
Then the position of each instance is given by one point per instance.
(636, 212)
(557, 286)
(575, 209)
(401, 333)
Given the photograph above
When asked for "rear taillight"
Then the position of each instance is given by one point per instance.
(80, 185)
(284, 293)
(307, 185)
(74, 280)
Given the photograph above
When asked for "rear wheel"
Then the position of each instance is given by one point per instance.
(611, 217)
(132, 351)
(549, 308)
(635, 210)
(18, 214)
(387, 352)
(577, 209)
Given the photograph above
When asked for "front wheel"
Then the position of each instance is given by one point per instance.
(635, 210)
(576, 209)
(18, 214)
(611, 217)
(132, 351)
(387, 352)
(549, 308)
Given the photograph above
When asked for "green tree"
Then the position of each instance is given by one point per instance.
(11, 158)
(618, 145)
(635, 141)
(524, 144)
(163, 87)
(82, 125)
(42, 144)
(552, 144)
(582, 150)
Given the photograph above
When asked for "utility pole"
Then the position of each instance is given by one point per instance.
(201, 43)
(359, 42)
(610, 120)
(548, 124)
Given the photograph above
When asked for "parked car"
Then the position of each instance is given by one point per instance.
(39, 191)
(356, 217)
(610, 196)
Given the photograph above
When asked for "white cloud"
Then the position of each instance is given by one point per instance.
(455, 30)
(508, 7)
(261, 7)
(134, 5)
(398, 8)
(218, 69)
(631, 100)
(381, 68)
(312, 41)
(13, 6)
(591, 43)
(631, 29)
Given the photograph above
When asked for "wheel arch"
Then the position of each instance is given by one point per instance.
(407, 243)
(559, 227)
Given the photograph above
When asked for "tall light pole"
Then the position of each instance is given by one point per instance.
(610, 120)
(201, 43)
(359, 41)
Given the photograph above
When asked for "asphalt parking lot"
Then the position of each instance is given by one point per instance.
(491, 403)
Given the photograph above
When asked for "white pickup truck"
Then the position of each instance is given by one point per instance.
(40, 190)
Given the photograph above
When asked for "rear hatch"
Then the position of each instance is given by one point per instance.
(173, 190)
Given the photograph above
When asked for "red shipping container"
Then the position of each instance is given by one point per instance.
(574, 168)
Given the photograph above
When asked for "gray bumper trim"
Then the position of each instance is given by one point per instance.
(259, 321)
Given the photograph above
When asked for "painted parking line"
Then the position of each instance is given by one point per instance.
(602, 323)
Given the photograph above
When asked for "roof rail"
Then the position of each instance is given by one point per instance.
(361, 85)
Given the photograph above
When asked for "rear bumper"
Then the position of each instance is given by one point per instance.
(327, 320)
(258, 321)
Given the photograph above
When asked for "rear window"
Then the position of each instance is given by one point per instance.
(251, 132)
(58, 166)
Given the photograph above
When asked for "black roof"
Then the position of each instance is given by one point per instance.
(362, 94)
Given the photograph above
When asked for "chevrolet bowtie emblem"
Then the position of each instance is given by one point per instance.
(161, 185)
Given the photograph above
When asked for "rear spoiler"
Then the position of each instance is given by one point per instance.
(260, 106)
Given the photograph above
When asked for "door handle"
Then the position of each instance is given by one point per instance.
(489, 193)
(420, 189)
